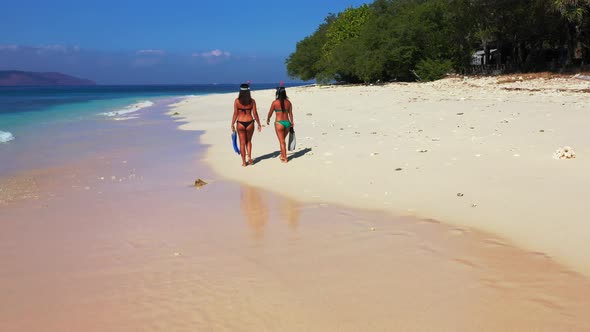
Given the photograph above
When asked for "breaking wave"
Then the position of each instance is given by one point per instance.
(5, 136)
(130, 109)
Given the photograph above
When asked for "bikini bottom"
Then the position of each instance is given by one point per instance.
(285, 123)
(245, 123)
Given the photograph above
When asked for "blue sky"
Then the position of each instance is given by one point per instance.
(135, 42)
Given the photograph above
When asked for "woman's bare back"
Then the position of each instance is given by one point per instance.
(284, 114)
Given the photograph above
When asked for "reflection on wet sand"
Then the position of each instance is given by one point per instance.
(290, 211)
(256, 211)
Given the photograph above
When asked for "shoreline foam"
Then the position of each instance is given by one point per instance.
(472, 152)
(130, 109)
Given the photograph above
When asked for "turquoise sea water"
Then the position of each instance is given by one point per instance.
(25, 108)
(41, 124)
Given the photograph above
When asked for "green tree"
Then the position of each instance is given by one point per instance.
(406, 39)
(348, 24)
(337, 56)
(405, 32)
(574, 11)
(305, 62)
(577, 15)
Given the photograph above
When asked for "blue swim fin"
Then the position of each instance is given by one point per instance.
(234, 139)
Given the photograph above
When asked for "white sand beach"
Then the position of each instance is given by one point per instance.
(473, 152)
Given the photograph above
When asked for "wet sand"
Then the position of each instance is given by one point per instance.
(121, 241)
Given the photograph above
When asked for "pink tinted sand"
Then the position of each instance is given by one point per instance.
(122, 242)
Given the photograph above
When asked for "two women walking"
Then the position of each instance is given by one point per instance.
(245, 114)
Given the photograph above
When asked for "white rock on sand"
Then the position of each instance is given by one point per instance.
(564, 153)
(504, 167)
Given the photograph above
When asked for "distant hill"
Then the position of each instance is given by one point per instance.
(26, 78)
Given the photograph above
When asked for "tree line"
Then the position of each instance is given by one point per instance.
(410, 40)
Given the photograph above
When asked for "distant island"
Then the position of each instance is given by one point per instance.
(25, 78)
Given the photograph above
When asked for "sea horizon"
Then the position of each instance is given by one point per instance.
(280, 82)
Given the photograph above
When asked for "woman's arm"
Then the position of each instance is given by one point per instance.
(270, 111)
(235, 117)
(255, 113)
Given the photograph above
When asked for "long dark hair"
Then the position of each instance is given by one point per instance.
(244, 97)
(281, 95)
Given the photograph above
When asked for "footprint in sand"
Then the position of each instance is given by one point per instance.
(428, 221)
(402, 234)
(540, 255)
(547, 302)
(466, 262)
(495, 243)
(457, 231)
(428, 249)
(499, 285)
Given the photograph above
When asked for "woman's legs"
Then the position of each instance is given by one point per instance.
(243, 137)
(281, 134)
(249, 134)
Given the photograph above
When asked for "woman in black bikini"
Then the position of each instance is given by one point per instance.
(283, 109)
(245, 113)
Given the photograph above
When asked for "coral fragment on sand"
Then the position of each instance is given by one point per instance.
(199, 183)
(564, 153)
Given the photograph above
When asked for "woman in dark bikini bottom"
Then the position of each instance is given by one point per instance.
(246, 124)
(245, 114)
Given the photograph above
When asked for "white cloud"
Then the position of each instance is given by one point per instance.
(55, 48)
(41, 49)
(9, 47)
(150, 52)
(217, 53)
